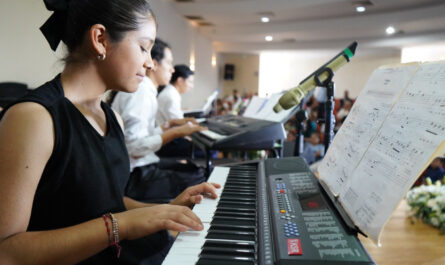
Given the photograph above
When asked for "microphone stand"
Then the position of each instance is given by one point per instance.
(300, 117)
(329, 106)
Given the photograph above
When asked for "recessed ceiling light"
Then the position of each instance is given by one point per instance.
(268, 38)
(265, 19)
(360, 9)
(390, 30)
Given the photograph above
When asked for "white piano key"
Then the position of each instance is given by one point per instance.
(187, 246)
(219, 173)
(183, 260)
(212, 135)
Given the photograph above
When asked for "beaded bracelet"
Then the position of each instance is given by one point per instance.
(113, 240)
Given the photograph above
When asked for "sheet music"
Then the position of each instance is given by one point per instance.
(256, 103)
(408, 139)
(366, 117)
(208, 104)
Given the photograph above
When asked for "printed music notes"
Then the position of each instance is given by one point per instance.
(394, 130)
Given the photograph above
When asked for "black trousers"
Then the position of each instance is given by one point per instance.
(182, 147)
(163, 181)
(179, 147)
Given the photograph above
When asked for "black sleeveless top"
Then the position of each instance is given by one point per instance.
(85, 176)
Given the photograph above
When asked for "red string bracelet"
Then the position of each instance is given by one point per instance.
(108, 228)
(113, 240)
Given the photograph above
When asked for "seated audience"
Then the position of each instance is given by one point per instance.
(313, 150)
(344, 111)
(234, 101)
(435, 170)
(220, 108)
(311, 123)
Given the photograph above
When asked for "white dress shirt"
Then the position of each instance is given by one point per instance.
(138, 111)
(169, 102)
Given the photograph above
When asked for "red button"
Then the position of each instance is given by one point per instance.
(313, 204)
(281, 191)
(294, 247)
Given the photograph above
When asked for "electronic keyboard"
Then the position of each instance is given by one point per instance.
(270, 212)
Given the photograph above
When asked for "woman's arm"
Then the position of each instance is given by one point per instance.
(133, 204)
(26, 143)
(180, 131)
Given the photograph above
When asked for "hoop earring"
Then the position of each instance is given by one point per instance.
(101, 57)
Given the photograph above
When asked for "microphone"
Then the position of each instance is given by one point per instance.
(294, 96)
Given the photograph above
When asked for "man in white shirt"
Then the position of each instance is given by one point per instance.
(169, 99)
(152, 179)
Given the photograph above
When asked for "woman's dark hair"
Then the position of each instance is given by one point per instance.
(181, 70)
(72, 18)
(158, 50)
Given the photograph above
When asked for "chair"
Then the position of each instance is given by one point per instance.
(11, 91)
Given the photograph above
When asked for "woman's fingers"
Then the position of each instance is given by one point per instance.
(172, 225)
(205, 188)
(183, 216)
(195, 199)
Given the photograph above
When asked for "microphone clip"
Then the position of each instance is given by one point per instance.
(328, 80)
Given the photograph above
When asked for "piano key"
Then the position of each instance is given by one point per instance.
(229, 221)
(233, 235)
(206, 208)
(240, 245)
(214, 259)
(212, 135)
(204, 261)
(187, 247)
(233, 213)
(221, 253)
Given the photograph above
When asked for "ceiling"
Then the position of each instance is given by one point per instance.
(235, 25)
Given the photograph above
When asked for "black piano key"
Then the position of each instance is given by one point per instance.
(206, 261)
(226, 253)
(243, 228)
(227, 202)
(230, 250)
(238, 197)
(221, 254)
(235, 227)
(234, 213)
(248, 230)
(239, 189)
(234, 218)
(238, 181)
(230, 235)
(240, 193)
(235, 208)
(218, 220)
(250, 246)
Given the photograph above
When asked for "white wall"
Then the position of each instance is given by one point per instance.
(424, 53)
(184, 41)
(26, 57)
(245, 76)
(284, 70)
